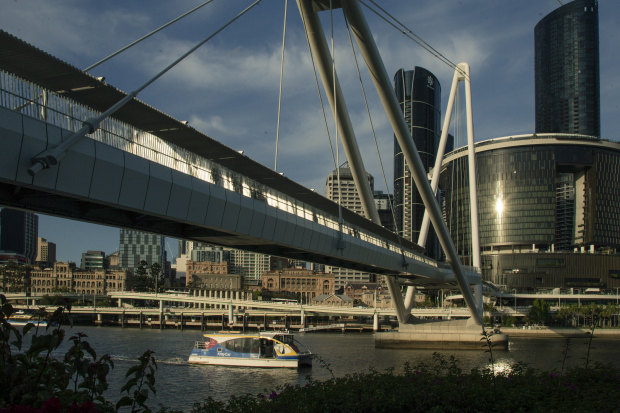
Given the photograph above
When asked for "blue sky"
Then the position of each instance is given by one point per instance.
(229, 88)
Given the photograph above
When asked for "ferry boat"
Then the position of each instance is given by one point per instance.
(20, 318)
(264, 349)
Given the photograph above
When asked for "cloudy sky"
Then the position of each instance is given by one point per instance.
(229, 88)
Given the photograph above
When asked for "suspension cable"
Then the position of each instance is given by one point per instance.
(122, 49)
(275, 166)
(372, 128)
(52, 156)
(318, 88)
(411, 35)
(331, 21)
(119, 51)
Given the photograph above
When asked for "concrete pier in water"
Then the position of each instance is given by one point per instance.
(449, 334)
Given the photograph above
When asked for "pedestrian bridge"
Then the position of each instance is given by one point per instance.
(145, 170)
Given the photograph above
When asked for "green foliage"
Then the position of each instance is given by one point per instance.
(55, 300)
(508, 320)
(540, 312)
(14, 277)
(141, 379)
(140, 283)
(440, 386)
(33, 379)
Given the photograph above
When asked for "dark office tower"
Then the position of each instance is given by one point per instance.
(419, 93)
(18, 233)
(567, 70)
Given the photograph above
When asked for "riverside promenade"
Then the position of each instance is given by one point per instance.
(560, 332)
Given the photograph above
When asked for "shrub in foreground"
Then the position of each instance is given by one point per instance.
(440, 387)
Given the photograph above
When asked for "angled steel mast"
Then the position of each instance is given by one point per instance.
(365, 41)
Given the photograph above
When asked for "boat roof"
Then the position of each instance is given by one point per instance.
(238, 334)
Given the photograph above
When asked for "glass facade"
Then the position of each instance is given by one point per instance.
(19, 233)
(536, 193)
(567, 70)
(137, 246)
(419, 94)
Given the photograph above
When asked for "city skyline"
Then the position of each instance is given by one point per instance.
(497, 41)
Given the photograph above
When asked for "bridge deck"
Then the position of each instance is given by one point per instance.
(148, 171)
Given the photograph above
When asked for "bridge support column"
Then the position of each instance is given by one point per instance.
(366, 43)
(140, 320)
(375, 322)
(320, 49)
(303, 318)
(231, 319)
(120, 302)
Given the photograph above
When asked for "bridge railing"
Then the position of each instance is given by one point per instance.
(52, 107)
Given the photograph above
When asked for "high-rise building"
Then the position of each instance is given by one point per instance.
(340, 187)
(419, 94)
(137, 246)
(250, 265)
(46, 252)
(93, 260)
(383, 203)
(18, 234)
(567, 70)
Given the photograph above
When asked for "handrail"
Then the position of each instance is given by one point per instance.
(58, 110)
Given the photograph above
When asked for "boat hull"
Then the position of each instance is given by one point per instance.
(250, 362)
(265, 349)
(21, 323)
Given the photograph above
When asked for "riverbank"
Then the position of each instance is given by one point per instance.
(560, 332)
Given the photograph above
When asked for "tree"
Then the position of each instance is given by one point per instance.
(157, 276)
(195, 282)
(13, 277)
(539, 312)
(141, 269)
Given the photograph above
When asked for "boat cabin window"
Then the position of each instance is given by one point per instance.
(284, 338)
(242, 345)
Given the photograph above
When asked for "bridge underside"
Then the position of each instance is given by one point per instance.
(105, 185)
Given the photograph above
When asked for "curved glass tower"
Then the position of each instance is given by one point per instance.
(567, 70)
(419, 94)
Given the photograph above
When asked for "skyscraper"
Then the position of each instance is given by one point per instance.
(46, 252)
(419, 94)
(18, 234)
(567, 70)
(136, 246)
(340, 186)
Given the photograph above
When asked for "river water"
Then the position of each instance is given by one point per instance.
(179, 385)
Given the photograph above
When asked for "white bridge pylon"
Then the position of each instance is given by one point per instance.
(461, 75)
(372, 58)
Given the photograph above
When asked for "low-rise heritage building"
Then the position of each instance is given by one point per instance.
(65, 277)
(306, 283)
(334, 300)
(198, 272)
(217, 282)
(368, 294)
